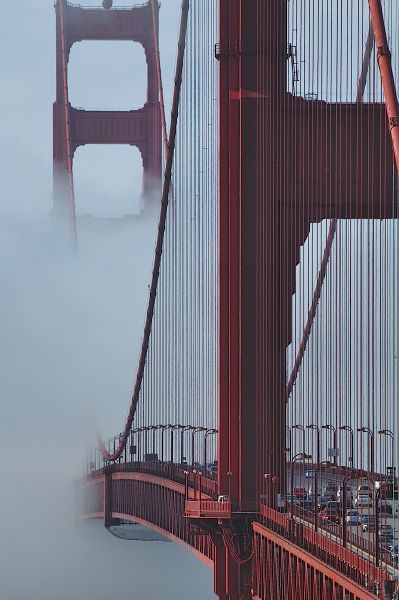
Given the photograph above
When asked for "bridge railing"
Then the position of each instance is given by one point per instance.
(354, 566)
(353, 539)
(224, 509)
(171, 471)
(207, 509)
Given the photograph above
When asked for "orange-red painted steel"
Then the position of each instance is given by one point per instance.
(73, 128)
(384, 64)
(153, 501)
(266, 208)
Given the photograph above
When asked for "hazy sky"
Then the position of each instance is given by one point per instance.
(70, 329)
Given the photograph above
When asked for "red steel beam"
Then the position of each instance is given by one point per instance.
(387, 79)
(315, 563)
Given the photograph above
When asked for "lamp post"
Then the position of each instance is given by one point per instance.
(172, 451)
(289, 448)
(183, 430)
(145, 430)
(193, 432)
(344, 502)
(270, 482)
(371, 448)
(153, 428)
(334, 430)
(298, 457)
(300, 428)
(377, 495)
(389, 433)
(267, 479)
(316, 478)
(208, 432)
(352, 446)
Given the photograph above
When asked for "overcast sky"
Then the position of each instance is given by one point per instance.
(70, 329)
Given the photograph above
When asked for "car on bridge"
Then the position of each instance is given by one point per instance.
(330, 515)
(334, 505)
(324, 500)
(365, 489)
(299, 491)
(369, 523)
(310, 474)
(348, 490)
(363, 500)
(307, 503)
(393, 553)
(330, 488)
(386, 507)
(386, 533)
(151, 457)
(353, 517)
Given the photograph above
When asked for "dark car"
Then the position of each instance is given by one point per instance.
(334, 505)
(368, 523)
(329, 515)
(299, 491)
(324, 500)
(353, 517)
(331, 487)
(386, 534)
(386, 529)
(307, 503)
(385, 507)
(393, 553)
(293, 499)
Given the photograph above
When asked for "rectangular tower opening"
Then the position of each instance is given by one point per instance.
(109, 75)
(108, 180)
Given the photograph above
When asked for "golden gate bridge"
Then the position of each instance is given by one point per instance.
(262, 429)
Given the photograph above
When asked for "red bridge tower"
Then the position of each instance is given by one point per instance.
(74, 127)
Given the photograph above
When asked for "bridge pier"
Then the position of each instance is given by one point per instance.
(232, 580)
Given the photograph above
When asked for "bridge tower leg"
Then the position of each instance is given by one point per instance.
(252, 322)
(73, 128)
(251, 253)
(232, 581)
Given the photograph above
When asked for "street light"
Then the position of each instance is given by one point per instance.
(344, 502)
(316, 482)
(352, 446)
(207, 434)
(270, 482)
(172, 441)
(377, 495)
(183, 430)
(193, 432)
(288, 429)
(334, 430)
(389, 433)
(371, 448)
(318, 447)
(298, 457)
(300, 428)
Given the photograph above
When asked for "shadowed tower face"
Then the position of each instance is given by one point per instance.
(75, 127)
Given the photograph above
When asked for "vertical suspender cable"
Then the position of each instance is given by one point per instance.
(111, 456)
(328, 246)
